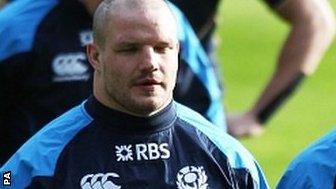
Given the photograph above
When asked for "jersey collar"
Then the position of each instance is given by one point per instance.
(126, 123)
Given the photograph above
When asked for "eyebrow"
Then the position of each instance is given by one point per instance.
(131, 43)
(127, 43)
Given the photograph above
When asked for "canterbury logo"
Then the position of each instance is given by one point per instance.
(70, 67)
(70, 64)
(100, 181)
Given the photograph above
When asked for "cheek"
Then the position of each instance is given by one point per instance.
(120, 72)
(111, 72)
(171, 67)
(114, 66)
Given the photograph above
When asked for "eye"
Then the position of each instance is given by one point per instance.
(163, 48)
(127, 49)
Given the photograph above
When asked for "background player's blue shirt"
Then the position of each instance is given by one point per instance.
(197, 86)
(92, 144)
(44, 70)
(315, 167)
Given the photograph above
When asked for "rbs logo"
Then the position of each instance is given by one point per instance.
(152, 151)
(139, 152)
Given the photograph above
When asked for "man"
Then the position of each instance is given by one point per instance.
(131, 134)
(315, 167)
(312, 30)
(44, 70)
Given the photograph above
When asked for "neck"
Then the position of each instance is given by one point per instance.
(117, 121)
(115, 106)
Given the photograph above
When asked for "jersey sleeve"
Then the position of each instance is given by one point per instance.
(19, 22)
(315, 167)
(34, 164)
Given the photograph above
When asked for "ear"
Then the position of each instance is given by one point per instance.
(178, 46)
(92, 51)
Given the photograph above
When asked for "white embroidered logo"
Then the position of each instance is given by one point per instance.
(70, 67)
(86, 37)
(191, 177)
(143, 151)
(99, 181)
(124, 153)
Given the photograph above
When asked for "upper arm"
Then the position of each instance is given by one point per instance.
(305, 11)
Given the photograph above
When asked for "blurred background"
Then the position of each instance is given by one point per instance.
(249, 38)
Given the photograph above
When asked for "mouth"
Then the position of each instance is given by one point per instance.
(148, 82)
(148, 86)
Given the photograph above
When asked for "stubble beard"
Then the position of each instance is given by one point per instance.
(145, 105)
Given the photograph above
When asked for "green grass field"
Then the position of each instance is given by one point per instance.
(250, 36)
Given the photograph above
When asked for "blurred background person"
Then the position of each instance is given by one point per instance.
(314, 167)
(312, 28)
(43, 66)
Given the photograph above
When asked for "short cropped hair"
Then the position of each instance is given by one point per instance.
(103, 11)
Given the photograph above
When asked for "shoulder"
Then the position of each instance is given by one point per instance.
(19, 21)
(237, 155)
(230, 146)
(317, 159)
(39, 155)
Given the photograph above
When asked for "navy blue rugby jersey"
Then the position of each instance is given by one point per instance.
(93, 145)
(44, 70)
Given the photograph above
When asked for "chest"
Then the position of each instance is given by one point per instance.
(157, 161)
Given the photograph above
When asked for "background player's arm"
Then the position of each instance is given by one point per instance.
(312, 30)
(3, 3)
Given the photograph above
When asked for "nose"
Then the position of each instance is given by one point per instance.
(150, 60)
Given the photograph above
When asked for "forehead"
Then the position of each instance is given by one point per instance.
(142, 24)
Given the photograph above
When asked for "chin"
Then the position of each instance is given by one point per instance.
(150, 105)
